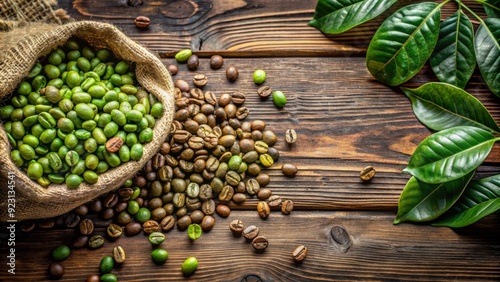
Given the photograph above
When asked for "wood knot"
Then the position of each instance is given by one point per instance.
(251, 278)
(180, 9)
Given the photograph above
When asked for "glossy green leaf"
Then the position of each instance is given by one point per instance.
(481, 198)
(403, 43)
(453, 59)
(487, 49)
(441, 106)
(450, 154)
(492, 8)
(337, 16)
(421, 201)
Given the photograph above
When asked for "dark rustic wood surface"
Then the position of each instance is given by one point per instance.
(344, 119)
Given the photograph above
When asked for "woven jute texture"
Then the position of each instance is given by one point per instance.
(21, 48)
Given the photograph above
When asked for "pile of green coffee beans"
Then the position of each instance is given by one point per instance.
(79, 112)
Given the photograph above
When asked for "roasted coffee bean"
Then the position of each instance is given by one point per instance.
(48, 223)
(210, 98)
(81, 210)
(264, 92)
(197, 216)
(367, 173)
(56, 270)
(96, 242)
(223, 210)
(239, 198)
(274, 153)
(290, 136)
(208, 207)
(227, 193)
(242, 113)
(289, 169)
(108, 214)
(173, 69)
(86, 226)
(72, 220)
(167, 223)
(111, 200)
(150, 226)
(263, 179)
(207, 223)
(250, 232)
(287, 206)
(252, 186)
(300, 253)
(123, 218)
(27, 226)
(184, 222)
(263, 209)
(158, 213)
(193, 62)
(274, 201)
(264, 194)
(93, 278)
(200, 80)
(114, 144)
(133, 228)
(142, 22)
(182, 85)
(80, 241)
(260, 243)
(114, 230)
(216, 62)
(232, 73)
(119, 254)
(236, 226)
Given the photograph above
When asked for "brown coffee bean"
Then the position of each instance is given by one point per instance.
(252, 186)
(150, 226)
(184, 222)
(289, 169)
(258, 125)
(108, 214)
(80, 241)
(56, 270)
(269, 137)
(182, 85)
(223, 210)
(123, 218)
(86, 226)
(197, 216)
(114, 144)
(46, 223)
(119, 254)
(260, 243)
(251, 232)
(263, 179)
(263, 209)
(200, 80)
(264, 92)
(96, 241)
(193, 62)
(216, 62)
(232, 73)
(173, 69)
(93, 278)
(133, 228)
(142, 22)
(207, 223)
(167, 223)
(238, 98)
(264, 194)
(239, 198)
(227, 191)
(300, 253)
(114, 230)
(72, 220)
(290, 136)
(236, 226)
(81, 210)
(242, 113)
(274, 201)
(208, 207)
(27, 226)
(274, 153)
(367, 173)
(287, 206)
(111, 200)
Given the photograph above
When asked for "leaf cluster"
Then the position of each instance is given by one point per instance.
(442, 189)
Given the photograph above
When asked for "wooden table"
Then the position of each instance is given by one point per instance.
(345, 120)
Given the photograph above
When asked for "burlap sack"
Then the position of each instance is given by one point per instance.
(20, 50)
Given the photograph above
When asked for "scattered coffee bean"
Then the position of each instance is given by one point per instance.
(142, 22)
(119, 254)
(236, 226)
(216, 62)
(194, 231)
(286, 206)
(251, 232)
(274, 201)
(232, 73)
(289, 169)
(133, 228)
(223, 210)
(300, 253)
(200, 80)
(290, 136)
(173, 69)
(193, 62)
(367, 173)
(80, 242)
(260, 243)
(207, 223)
(86, 226)
(93, 278)
(264, 92)
(114, 230)
(263, 209)
(56, 270)
(96, 241)
(156, 238)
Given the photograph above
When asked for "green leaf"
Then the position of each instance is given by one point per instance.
(441, 106)
(421, 201)
(481, 198)
(403, 43)
(492, 8)
(453, 59)
(487, 49)
(337, 16)
(450, 154)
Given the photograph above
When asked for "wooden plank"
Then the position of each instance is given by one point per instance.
(380, 251)
(239, 27)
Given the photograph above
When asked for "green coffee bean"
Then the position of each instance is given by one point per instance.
(118, 117)
(19, 101)
(107, 264)
(16, 157)
(56, 144)
(109, 277)
(38, 83)
(55, 58)
(183, 55)
(56, 82)
(48, 135)
(142, 215)
(84, 111)
(90, 145)
(189, 266)
(82, 134)
(71, 141)
(136, 152)
(156, 238)
(73, 181)
(124, 153)
(44, 162)
(131, 139)
(110, 129)
(6, 111)
(112, 159)
(157, 110)
(116, 79)
(35, 170)
(46, 120)
(56, 178)
(79, 168)
(17, 115)
(60, 253)
(83, 64)
(57, 113)
(102, 167)
(89, 125)
(87, 83)
(146, 135)
(51, 71)
(159, 256)
(151, 121)
(31, 140)
(66, 125)
(132, 207)
(41, 150)
(110, 106)
(27, 152)
(128, 89)
(65, 105)
(36, 70)
(100, 69)
(54, 161)
(73, 78)
(72, 158)
(97, 91)
(194, 231)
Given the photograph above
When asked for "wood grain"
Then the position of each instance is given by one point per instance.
(380, 251)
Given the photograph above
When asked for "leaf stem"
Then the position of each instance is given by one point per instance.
(470, 11)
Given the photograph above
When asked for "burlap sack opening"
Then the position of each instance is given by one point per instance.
(20, 50)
